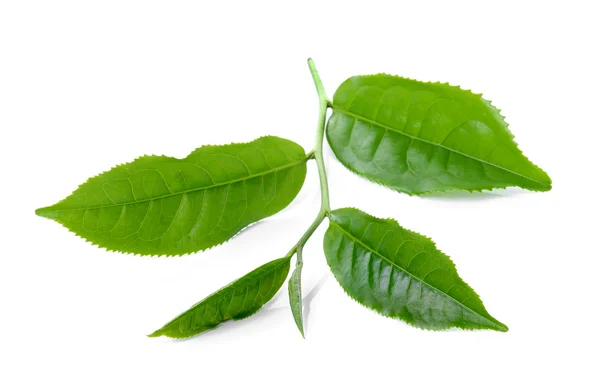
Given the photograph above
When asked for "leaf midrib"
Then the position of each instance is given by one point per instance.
(360, 117)
(187, 191)
(352, 237)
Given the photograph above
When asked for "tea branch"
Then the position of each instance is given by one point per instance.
(317, 154)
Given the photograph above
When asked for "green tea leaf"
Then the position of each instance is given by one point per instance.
(295, 293)
(400, 274)
(167, 206)
(418, 137)
(236, 301)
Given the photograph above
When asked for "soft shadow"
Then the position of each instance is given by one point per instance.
(307, 300)
(249, 227)
(465, 195)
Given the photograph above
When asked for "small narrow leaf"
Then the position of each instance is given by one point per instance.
(166, 206)
(400, 274)
(236, 301)
(418, 137)
(295, 292)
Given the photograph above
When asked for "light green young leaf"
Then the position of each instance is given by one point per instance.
(401, 274)
(418, 137)
(295, 293)
(236, 301)
(167, 206)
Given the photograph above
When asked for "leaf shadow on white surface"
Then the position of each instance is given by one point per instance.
(252, 226)
(461, 195)
(308, 299)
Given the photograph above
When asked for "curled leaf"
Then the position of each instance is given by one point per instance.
(295, 294)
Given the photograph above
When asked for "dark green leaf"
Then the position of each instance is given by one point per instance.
(236, 301)
(401, 274)
(418, 137)
(295, 292)
(163, 205)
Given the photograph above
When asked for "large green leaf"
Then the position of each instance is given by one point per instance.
(400, 274)
(418, 137)
(236, 301)
(163, 205)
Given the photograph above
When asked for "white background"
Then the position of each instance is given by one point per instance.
(86, 85)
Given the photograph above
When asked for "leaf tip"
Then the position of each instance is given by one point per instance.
(45, 212)
(502, 327)
(300, 328)
(544, 182)
(156, 333)
(496, 325)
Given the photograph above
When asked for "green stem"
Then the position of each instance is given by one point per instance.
(323, 104)
(317, 79)
(317, 153)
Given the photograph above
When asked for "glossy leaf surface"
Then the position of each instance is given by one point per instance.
(163, 205)
(236, 301)
(401, 274)
(295, 294)
(418, 137)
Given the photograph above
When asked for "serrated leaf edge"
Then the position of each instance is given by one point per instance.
(478, 95)
(501, 326)
(40, 211)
